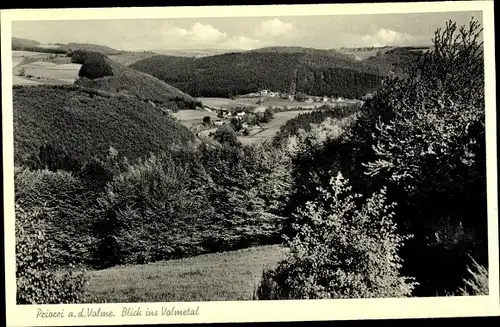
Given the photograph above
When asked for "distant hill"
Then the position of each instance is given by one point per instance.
(87, 122)
(19, 42)
(394, 59)
(316, 72)
(312, 71)
(100, 72)
(198, 53)
(129, 58)
(310, 51)
(70, 47)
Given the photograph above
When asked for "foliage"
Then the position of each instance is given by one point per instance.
(268, 115)
(304, 121)
(37, 282)
(70, 208)
(240, 196)
(424, 136)
(94, 65)
(226, 134)
(342, 249)
(207, 120)
(478, 281)
(236, 124)
(189, 202)
(53, 158)
(151, 213)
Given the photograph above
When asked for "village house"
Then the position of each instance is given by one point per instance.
(218, 122)
(325, 99)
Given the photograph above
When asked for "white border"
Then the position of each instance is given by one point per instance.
(256, 311)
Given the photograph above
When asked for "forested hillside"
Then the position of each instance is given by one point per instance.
(314, 72)
(100, 72)
(87, 122)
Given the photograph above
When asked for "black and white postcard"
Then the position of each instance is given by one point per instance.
(249, 163)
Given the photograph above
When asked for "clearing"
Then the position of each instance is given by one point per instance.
(43, 68)
(226, 276)
(270, 129)
(228, 103)
(190, 118)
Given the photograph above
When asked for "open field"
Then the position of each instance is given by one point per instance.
(261, 106)
(190, 118)
(18, 80)
(228, 103)
(270, 129)
(212, 277)
(364, 54)
(42, 68)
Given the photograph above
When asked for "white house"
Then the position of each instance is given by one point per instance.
(240, 114)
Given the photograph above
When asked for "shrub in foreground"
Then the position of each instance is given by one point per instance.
(342, 249)
(478, 281)
(37, 282)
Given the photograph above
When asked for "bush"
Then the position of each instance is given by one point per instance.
(236, 124)
(37, 281)
(70, 210)
(268, 115)
(207, 121)
(94, 65)
(53, 158)
(226, 135)
(478, 281)
(341, 250)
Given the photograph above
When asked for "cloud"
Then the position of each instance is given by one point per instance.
(385, 37)
(204, 34)
(242, 43)
(275, 28)
(201, 35)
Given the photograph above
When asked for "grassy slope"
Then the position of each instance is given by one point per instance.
(141, 85)
(212, 277)
(88, 124)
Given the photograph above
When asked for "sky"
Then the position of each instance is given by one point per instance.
(244, 33)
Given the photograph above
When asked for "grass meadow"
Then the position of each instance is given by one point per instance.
(222, 276)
